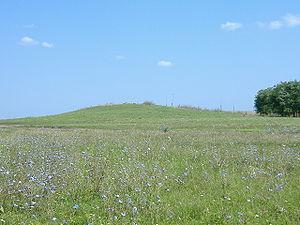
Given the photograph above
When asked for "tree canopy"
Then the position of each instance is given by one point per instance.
(282, 99)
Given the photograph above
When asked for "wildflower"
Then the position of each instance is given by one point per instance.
(240, 214)
(281, 209)
(159, 184)
(279, 187)
(185, 174)
(111, 209)
(134, 210)
(223, 174)
(227, 198)
(228, 217)
(279, 175)
(75, 206)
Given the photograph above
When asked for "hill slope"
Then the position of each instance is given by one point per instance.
(210, 168)
(133, 116)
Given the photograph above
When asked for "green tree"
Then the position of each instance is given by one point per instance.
(262, 102)
(282, 99)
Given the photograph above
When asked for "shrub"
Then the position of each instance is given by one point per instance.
(148, 103)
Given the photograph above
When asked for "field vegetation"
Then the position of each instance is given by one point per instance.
(148, 164)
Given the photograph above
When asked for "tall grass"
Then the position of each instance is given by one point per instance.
(211, 168)
(53, 176)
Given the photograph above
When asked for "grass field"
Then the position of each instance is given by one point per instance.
(145, 164)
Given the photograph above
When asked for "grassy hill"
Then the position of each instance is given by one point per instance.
(209, 168)
(152, 117)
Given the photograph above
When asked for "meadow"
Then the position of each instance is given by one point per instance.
(146, 164)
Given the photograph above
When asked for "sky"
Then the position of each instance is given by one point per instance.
(58, 56)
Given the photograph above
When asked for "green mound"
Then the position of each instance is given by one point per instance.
(150, 117)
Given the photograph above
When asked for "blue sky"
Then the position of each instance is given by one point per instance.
(57, 56)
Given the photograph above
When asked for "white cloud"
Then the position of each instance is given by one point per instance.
(120, 57)
(289, 20)
(28, 41)
(231, 26)
(47, 45)
(165, 63)
(275, 25)
(292, 20)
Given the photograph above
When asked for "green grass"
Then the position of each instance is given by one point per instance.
(115, 165)
(150, 117)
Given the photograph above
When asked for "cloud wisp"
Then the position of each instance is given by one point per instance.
(290, 20)
(165, 63)
(47, 45)
(231, 26)
(29, 41)
(273, 25)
